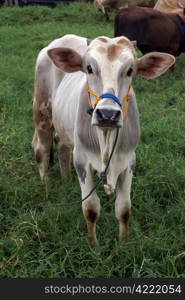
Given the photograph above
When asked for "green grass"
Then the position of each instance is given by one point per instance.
(38, 239)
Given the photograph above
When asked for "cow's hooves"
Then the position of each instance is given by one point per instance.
(123, 239)
(93, 242)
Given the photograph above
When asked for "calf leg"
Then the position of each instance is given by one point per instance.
(91, 211)
(123, 203)
(91, 206)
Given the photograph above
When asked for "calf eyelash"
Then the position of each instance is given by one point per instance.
(89, 69)
(129, 72)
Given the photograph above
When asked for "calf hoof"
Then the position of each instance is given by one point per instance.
(93, 242)
(123, 238)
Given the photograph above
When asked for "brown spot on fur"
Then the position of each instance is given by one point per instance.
(125, 216)
(40, 90)
(81, 171)
(113, 52)
(42, 111)
(45, 126)
(126, 44)
(38, 156)
(42, 114)
(91, 215)
(101, 49)
(103, 40)
(44, 136)
(123, 42)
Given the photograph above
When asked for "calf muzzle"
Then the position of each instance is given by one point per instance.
(108, 117)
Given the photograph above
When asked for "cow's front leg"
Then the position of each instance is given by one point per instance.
(91, 206)
(123, 202)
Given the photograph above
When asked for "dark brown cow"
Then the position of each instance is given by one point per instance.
(153, 30)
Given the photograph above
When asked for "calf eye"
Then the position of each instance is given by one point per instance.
(129, 72)
(89, 69)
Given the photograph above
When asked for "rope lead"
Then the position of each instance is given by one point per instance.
(103, 177)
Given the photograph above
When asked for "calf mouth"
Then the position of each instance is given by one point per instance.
(108, 125)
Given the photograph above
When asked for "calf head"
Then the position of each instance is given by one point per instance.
(110, 65)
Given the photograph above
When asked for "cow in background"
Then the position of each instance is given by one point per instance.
(85, 94)
(171, 6)
(106, 6)
(151, 29)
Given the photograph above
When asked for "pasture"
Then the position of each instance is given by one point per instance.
(40, 238)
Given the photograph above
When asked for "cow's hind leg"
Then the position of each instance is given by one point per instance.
(43, 136)
(91, 206)
(123, 203)
(42, 144)
(64, 152)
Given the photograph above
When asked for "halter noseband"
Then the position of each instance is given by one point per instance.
(123, 105)
(111, 96)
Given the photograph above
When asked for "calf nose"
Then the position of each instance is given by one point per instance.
(108, 116)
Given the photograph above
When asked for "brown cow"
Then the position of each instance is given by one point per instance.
(153, 30)
(171, 6)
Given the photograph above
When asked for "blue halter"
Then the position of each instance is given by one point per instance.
(111, 96)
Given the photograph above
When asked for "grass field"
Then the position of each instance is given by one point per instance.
(39, 239)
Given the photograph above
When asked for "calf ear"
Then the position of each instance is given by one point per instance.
(66, 59)
(154, 64)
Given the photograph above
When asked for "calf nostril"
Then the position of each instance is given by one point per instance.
(108, 115)
(117, 116)
(99, 114)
